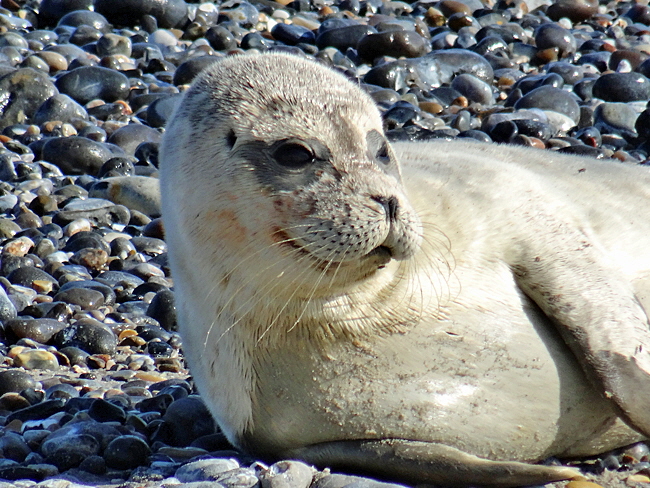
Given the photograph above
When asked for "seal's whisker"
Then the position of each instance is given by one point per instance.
(253, 300)
(235, 294)
(286, 304)
(257, 297)
(313, 291)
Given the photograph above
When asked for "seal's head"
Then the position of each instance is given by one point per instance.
(314, 164)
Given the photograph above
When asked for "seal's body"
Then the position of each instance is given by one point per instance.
(449, 322)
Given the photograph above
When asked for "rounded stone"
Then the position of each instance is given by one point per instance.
(343, 37)
(93, 82)
(616, 118)
(36, 359)
(188, 418)
(59, 107)
(89, 335)
(168, 13)
(576, 10)
(292, 34)
(131, 136)
(205, 470)
(86, 298)
(40, 330)
(140, 193)
(96, 210)
(78, 18)
(396, 43)
(473, 88)
(288, 474)
(22, 92)
(76, 155)
(220, 38)
(551, 98)
(28, 275)
(188, 70)
(552, 35)
(111, 44)
(126, 452)
(14, 380)
(622, 87)
(69, 451)
(163, 309)
(440, 67)
(105, 411)
(14, 447)
(50, 11)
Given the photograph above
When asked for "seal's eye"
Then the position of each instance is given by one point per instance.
(293, 155)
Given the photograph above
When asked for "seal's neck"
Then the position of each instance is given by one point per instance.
(389, 301)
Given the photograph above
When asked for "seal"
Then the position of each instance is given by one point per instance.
(436, 312)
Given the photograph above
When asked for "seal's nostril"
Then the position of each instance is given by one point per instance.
(391, 206)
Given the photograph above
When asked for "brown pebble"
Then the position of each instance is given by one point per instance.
(153, 378)
(36, 359)
(55, 61)
(127, 333)
(457, 21)
(431, 107)
(15, 425)
(450, 7)
(434, 17)
(576, 10)
(90, 258)
(19, 247)
(172, 365)
(461, 102)
(132, 341)
(635, 58)
(12, 401)
(548, 55)
(637, 478)
(42, 286)
(582, 484)
(16, 350)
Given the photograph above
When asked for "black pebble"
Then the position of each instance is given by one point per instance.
(105, 411)
(167, 13)
(622, 87)
(91, 82)
(15, 380)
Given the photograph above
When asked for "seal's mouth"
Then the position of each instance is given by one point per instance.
(382, 254)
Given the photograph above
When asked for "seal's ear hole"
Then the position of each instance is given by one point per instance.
(378, 147)
(231, 139)
(293, 154)
(383, 154)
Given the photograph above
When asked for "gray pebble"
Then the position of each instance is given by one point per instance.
(141, 193)
(205, 470)
(616, 118)
(473, 88)
(550, 98)
(93, 82)
(288, 474)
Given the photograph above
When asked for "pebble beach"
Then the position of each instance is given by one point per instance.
(94, 388)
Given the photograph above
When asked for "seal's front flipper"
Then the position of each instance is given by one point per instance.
(427, 462)
(596, 312)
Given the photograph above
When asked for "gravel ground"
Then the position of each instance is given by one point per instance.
(93, 385)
